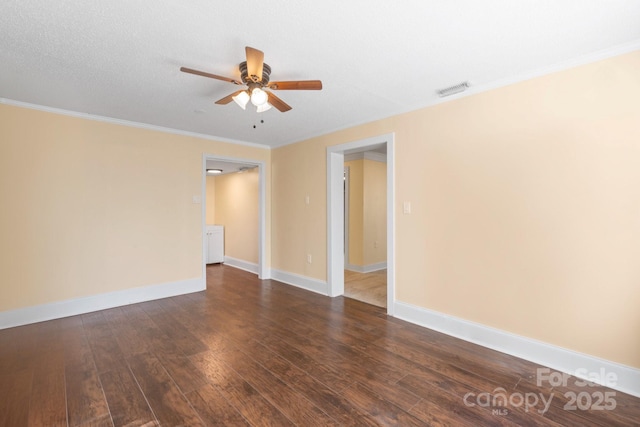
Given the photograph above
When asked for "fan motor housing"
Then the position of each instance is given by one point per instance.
(246, 79)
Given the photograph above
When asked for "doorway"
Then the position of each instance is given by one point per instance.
(261, 270)
(335, 213)
(365, 227)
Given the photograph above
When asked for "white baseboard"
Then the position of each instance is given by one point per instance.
(299, 281)
(366, 268)
(57, 310)
(241, 264)
(554, 357)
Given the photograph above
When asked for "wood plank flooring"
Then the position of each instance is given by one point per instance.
(252, 353)
(367, 287)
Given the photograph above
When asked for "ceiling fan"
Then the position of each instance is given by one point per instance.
(255, 75)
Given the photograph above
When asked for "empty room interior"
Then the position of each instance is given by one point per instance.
(334, 213)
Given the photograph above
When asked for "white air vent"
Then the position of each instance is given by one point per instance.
(461, 87)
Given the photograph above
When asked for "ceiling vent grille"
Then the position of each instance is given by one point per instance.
(452, 90)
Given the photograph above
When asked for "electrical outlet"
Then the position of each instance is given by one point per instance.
(309, 258)
(375, 243)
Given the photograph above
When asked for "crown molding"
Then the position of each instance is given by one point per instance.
(585, 59)
(127, 123)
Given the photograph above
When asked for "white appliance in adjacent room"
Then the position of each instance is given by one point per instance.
(214, 239)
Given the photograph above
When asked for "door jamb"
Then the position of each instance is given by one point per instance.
(347, 182)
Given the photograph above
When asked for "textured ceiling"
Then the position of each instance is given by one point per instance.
(120, 59)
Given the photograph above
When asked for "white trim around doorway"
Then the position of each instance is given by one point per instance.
(335, 214)
(262, 270)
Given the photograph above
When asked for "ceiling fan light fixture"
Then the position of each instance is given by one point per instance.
(264, 107)
(259, 97)
(241, 99)
(255, 74)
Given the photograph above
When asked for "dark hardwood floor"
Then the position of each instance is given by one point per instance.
(252, 353)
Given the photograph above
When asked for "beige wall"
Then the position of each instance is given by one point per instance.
(375, 212)
(367, 212)
(356, 212)
(299, 171)
(210, 195)
(90, 207)
(525, 207)
(237, 208)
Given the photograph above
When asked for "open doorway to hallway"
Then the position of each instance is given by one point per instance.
(337, 259)
(365, 225)
(234, 201)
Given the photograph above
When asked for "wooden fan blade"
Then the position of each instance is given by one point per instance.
(212, 76)
(227, 99)
(255, 59)
(278, 103)
(296, 85)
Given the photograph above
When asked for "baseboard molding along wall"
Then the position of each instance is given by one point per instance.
(366, 268)
(557, 358)
(241, 264)
(308, 283)
(60, 309)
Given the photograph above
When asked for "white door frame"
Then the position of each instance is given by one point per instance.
(263, 271)
(347, 183)
(335, 215)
